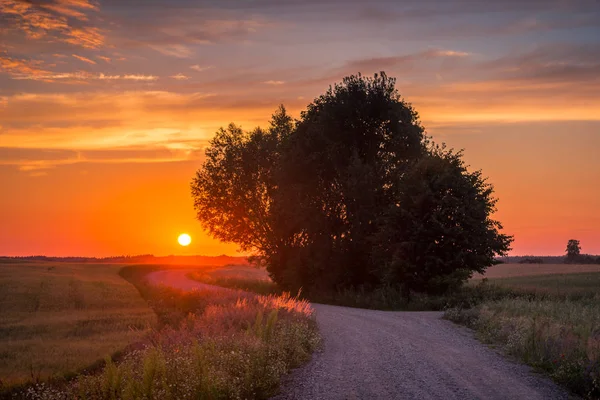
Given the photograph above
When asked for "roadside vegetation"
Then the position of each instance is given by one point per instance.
(246, 278)
(208, 345)
(551, 322)
(58, 319)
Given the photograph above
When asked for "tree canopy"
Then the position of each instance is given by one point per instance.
(352, 194)
(573, 248)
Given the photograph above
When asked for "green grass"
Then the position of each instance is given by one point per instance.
(59, 318)
(576, 284)
(249, 279)
(551, 322)
(210, 345)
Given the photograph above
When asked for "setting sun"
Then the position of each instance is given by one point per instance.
(184, 239)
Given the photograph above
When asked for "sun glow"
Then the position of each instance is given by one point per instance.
(184, 239)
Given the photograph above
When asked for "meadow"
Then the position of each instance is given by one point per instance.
(60, 318)
(550, 321)
(225, 344)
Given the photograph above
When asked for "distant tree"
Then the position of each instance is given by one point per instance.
(573, 249)
(352, 194)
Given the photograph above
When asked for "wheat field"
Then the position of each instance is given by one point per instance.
(58, 318)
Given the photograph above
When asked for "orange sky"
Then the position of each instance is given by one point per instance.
(105, 107)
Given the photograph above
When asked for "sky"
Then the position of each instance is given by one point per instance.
(106, 106)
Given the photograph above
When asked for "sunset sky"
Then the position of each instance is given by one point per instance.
(106, 106)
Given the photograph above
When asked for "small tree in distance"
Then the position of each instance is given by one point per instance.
(573, 249)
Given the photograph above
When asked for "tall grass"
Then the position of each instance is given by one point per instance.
(242, 278)
(210, 345)
(557, 332)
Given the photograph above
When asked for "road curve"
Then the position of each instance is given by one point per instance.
(371, 354)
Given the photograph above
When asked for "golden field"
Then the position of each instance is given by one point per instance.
(58, 318)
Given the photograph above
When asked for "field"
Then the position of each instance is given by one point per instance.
(241, 277)
(58, 318)
(514, 270)
(550, 319)
(204, 344)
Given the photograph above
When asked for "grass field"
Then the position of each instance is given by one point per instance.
(241, 277)
(514, 270)
(205, 344)
(551, 321)
(58, 318)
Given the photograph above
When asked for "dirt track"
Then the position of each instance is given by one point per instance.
(399, 355)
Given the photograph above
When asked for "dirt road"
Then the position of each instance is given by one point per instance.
(399, 355)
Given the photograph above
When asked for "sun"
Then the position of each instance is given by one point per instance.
(184, 239)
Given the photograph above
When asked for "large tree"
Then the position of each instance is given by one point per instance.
(339, 172)
(351, 194)
(439, 231)
(233, 190)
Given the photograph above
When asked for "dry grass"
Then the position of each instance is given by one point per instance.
(58, 318)
(512, 270)
(241, 277)
(211, 345)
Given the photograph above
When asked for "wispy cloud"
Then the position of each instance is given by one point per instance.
(180, 77)
(22, 69)
(53, 21)
(131, 77)
(84, 59)
(199, 68)
(175, 50)
(38, 161)
(452, 53)
(274, 82)
(103, 58)
(140, 77)
(69, 8)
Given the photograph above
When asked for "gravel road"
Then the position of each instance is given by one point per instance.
(371, 354)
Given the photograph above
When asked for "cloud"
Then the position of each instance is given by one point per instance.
(140, 77)
(131, 77)
(22, 69)
(89, 38)
(451, 53)
(105, 59)
(68, 8)
(274, 82)
(52, 21)
(405, 60)
(175, 50)
(84, 59)
(37, 161)
(199, 68)
(108, 77)
(180, 77)
(19, 68)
